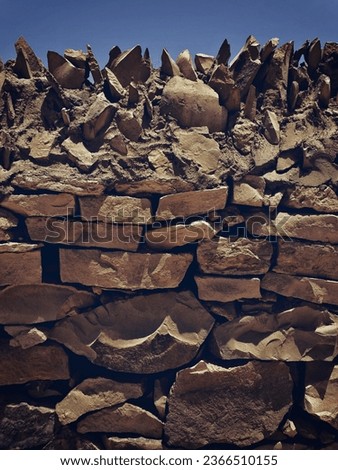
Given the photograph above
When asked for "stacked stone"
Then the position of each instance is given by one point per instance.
(168, 249)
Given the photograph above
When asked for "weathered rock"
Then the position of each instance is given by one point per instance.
(161, 391)
(193, 104)
(124, 419)
(64, 71)
(324, 90)
(318, 291)
(307, 259)
(41, 145)
(78, 154)
(119, 270)
(271, 127)
(263, 153)
(249, 191)
(204, 63)
(224, 53)
(226, 289)
(95, 394)
(116, 141)
(77, 57)
(222, 82)
(268, 49)
(321, 199)
(191, 203)
(24, 337)
(321, 387)
(7, 222)
(116, 89)
(250, 109)
(293, 95)
(116, 209)
(34, 63)
(98, 117)
(245, 65)
(168, 65)
(196, 148)
(129, 66)
(299, 334)
(171, 236)
(185, 65)
(132, 443)
(20, 264)
(129, 124)
(21, 66)
(114, 52)
(236, 257)
(243, 134)
(278, 70)
(49, 205)
(94, 67)
(142, 334)
(239, 406)
(39, 303)
(19, 366)
(23, 426)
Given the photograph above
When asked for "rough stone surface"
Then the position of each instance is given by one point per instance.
(226, 289)
(79, 155)
(23, 426)
(7, 222)
(20, 267)
(64, 71)
(234, 257)
(124, 419)
(242, 405)
(320, 199)
(300, 334)
(95, 394)
(172, 236)
(193, 104)
(19, 366)
(249, 192)
(132, 443)
(321, 384)
(185, 65)
(49, 205)
(191, 203)
(122, 270)
(144, 334)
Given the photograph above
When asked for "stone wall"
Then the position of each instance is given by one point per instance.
(168, 255)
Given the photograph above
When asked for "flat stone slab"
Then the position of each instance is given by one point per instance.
(226, 289)
(49, 205)
(20, 264)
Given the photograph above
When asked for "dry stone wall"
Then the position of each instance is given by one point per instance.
(168, 249)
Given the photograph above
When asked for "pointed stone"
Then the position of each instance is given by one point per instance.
(64, 71)
(241, 405)
(143, 334)
(94, 394)
(271, 127)
(268, 49)
(293, 95)
(224, 53)
(245, 65)
(114, 52)
(129, 125)
(278, 72)
(168, 65)
(250, 109)
(33, 62)
(21, 66)
(116, 89)
(129, 66)
(94, 67)
(98, 117)
(185, 65)
(226, 289)
(314, 55)
(222, 82)
(122, 419)
(204, 63)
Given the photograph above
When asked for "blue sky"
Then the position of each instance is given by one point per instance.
(200, 26)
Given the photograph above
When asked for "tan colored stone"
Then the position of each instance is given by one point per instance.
(249, 191)
(263, 153)
(98, 117)
(237, 406)
(41, 145)
(318, 291)
(226, 289)
(64, 71)
(191, 203)
(243, 134)
(204, 63)
(132, 443)
(268, 48)
(300, 334)
(271, 127)
(250, 108)
(185, 65)
(7, 222)
(77, 57)
(79, 155)
(116, 141)
(129, 124)
(20, 267)
(197, 148)
(223, 54)
(129, 66)
(193, 104)
(50, 205)
(122, 419)
(223, 83)
(321, 389)
(24, 426)
(324, 90)
(161, 392)
(278, 71)
(94, 394)
(94, 67)
(238, 257)
(39, 303)
(116, 209)
(84, 233)
(27, 338)
(116, 89)
(19, 366)
(155, 184)
(305, 259)
(16, 247)
(143, 334)
(168, 65)
(171, 236)
(34, 63)
(321, 199)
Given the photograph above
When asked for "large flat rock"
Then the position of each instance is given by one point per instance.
(320, 199)
(318, 291)
(122, 270)
(240, 406)
(300, 334)
(39, 303)
(19, 366)
(234, 257)
(227, 289)
(143, 334)
(20, 264)
(49, 205)
(307, 259)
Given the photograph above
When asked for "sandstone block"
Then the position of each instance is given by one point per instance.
(172, 236)
(7, 222)
(234, 257)
(49, 205)
(193, 104)
(239, 406)
(322, 199)
(78, 154)
(18, 266)
(191, 203)
(122, 270)
(143, 334)
(226, 289)
(249, 191)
